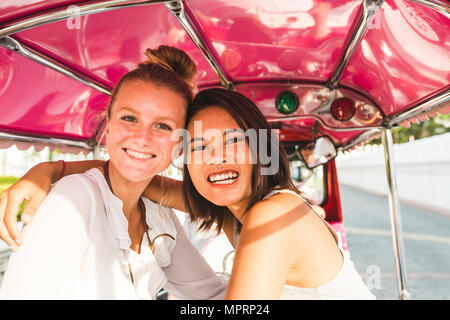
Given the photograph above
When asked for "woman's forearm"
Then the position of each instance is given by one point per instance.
(55, 168)
(166, 191)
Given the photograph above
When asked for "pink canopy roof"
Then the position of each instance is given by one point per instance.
(397, 63)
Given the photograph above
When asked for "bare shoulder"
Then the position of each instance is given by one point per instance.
(279, 213)
(277, 205)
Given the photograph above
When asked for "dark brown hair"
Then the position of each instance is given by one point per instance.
(248, 116)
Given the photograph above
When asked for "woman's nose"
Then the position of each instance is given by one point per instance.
(144, 136)
(216, 155)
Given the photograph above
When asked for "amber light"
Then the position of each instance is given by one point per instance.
(367, 114)
(343, 109)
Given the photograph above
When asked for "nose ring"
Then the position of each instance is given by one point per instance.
(218, 166)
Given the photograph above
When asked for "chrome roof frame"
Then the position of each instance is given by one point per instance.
(365, 136)
(177, 9)
(62, 13)
(16, 46)
(436, 5)
(370, 7)
(59, 14)
(433, 103)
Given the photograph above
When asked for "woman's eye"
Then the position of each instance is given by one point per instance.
(129, 118)
(164, 126)
(199, 148)
(234, 140)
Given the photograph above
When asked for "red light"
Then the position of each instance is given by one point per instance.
(343, 109)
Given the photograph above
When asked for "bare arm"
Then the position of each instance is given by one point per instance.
(34, 187)
(278, 234)
(265, 252)
(166, 191)
(72, 167)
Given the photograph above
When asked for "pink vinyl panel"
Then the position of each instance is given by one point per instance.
(106, 45)
(403, 58)
(14, 9)
(37, 100)
(285, 39)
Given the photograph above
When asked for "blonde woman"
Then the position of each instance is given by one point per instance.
(95, 236)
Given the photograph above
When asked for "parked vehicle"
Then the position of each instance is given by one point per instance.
(328, 74)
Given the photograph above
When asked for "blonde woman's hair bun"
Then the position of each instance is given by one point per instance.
(174, 60)
(165, 66)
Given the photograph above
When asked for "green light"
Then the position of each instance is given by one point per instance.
(286, 102)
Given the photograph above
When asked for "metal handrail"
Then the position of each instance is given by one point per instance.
(395, 215)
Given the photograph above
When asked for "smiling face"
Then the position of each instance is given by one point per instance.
(139, 129)
(219, 161)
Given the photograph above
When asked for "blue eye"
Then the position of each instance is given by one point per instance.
(164, 126)
(129, 118)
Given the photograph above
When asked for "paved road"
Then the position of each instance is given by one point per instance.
(426, 241)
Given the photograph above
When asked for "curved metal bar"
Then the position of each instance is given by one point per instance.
(14, 45)
(437, 5)
(177, 9)
(369, 8)
(361, 138)
(58, 15)
(322, 123)
(55, 142)
(394, 209)
(66, 13)
(434, 103)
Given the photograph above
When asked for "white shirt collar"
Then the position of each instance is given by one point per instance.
(113, 208)
(157, 218)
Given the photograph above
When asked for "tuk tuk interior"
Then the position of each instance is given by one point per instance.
(347, 70)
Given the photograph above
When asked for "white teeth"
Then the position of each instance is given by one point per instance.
(224, 178)
(224, 181)
(139, 155)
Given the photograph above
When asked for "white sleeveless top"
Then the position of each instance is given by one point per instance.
(346, 285)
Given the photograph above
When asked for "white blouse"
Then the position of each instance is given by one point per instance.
(77, 247)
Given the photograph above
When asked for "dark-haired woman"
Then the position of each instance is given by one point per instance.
(283, 248)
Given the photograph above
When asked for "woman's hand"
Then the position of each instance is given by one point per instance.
(33, 187)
